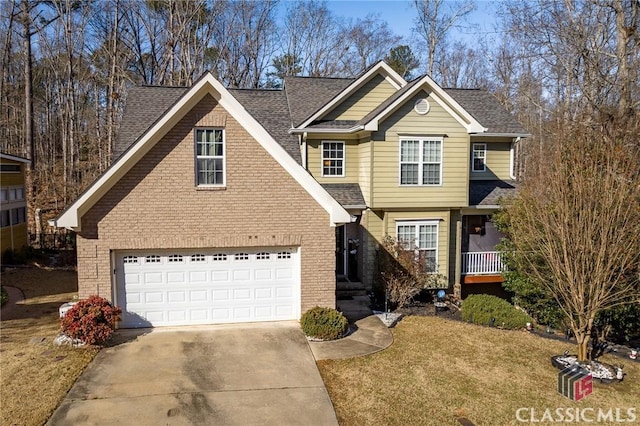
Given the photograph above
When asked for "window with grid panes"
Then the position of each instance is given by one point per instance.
(420, 161)
(423, 237)
(210, 157)
(332, 158)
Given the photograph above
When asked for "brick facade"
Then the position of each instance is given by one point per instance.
(156, 205)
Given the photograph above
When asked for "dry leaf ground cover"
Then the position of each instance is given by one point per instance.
(34, 374)
(439, 370)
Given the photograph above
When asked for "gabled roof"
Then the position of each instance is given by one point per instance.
(206, 85)
(144, 105)
(380, 68)
(271, 109)
(486, 108)
(14, 158)
(306, 95)
(437, 93)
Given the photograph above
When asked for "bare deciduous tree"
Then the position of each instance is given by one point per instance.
(435, 20)
(573, 228)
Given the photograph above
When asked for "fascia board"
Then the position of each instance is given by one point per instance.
(70, 218)
(14, 158)
(393, 77)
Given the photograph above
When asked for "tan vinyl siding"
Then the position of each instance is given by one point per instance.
(443, 219)
(351, 160)
(498, 162)
(453, 191)
(12, 178)
(372, 223)
(364, 171)
(362, 101)
(13, 237)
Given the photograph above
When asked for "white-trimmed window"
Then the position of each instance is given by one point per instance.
(332, 158)
(423, 236)
(210, 157)
(479, 157)
(421, 161)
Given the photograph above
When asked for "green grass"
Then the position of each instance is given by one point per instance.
(438, 370)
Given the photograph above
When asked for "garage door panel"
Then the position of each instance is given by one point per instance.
(198, 295)
(198, 276)
(222, 276)
(207, 286)
(153, 278)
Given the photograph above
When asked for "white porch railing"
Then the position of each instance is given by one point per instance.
(482, 263)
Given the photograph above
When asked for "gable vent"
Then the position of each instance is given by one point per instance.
(422, 106)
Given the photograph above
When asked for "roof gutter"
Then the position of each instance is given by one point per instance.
(304, 130)
(502, 135)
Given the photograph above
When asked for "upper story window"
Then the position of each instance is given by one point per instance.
(423, 236)
(479, 157)
(210, 157)
(421, 161)
(332, 158)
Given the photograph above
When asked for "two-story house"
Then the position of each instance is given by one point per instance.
(226, 205)
(13, 205)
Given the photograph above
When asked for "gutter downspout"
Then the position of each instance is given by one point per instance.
(303, 146)
(512, 158)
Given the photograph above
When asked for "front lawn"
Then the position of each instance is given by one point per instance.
(36, 375)
(439, 370)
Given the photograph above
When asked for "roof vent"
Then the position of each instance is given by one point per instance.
(422, 106)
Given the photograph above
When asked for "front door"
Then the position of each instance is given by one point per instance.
(340, 251)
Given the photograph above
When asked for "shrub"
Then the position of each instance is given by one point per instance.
(481, 308)
(324, 323)
(405, 272)
(91, 320)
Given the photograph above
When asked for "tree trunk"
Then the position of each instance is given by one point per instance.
(583, 346)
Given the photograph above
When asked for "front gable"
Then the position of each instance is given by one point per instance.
(206, 86)
(358, 95)
(362, 101)
(158, 198)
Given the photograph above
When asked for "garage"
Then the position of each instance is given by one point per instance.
(184, 287)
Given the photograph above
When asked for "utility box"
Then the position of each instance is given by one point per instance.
(575, 382)
(65, 307)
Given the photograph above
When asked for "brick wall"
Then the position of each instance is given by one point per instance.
(156, 205)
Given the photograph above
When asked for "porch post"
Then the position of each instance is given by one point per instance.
(457, 286)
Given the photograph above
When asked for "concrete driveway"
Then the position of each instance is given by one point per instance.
(215, 375)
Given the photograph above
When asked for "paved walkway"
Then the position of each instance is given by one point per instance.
(370, 335)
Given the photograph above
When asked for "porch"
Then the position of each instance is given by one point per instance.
(480, 261)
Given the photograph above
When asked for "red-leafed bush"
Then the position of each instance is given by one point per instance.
(91, 320)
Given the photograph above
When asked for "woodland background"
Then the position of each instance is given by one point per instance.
(67, 65)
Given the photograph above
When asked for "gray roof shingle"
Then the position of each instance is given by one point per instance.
(271, 109)
(144, 106)
(487, 110)
(489, 192)
(308, 94)
(347, 194)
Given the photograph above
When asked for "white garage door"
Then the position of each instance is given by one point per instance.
(162, 288)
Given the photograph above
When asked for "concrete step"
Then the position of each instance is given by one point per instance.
(349, 285)
(342, 294)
